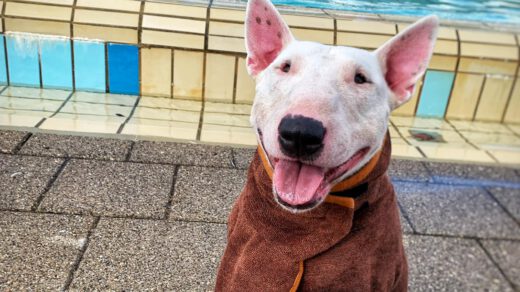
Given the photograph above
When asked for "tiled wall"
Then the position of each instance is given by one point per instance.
(197, 52)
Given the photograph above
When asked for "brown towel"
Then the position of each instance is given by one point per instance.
(330, 248)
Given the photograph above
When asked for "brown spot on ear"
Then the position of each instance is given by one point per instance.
(268, 22)
(265, 8)
(279, 35)
(404, 37)
(258, 20)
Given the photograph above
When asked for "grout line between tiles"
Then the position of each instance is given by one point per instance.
(406, 217)
(6, 55)
(80, 255)
(129, 152)
(204, 59)
(40, 122)
(21, 143)
(504, 209)
(51, 181)
(3, 89)
(62, 105)
(421, 151)
(235, 80)
(120, 129)
(455, 73)
(482, 86)
(167, 210)
(513, 85)
(495, 263)
(462, 136)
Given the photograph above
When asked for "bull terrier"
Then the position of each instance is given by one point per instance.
(318, 212)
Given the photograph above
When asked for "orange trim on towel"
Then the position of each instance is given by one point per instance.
(342, 201)
(358, 177)
(298, 279)
(265, 162)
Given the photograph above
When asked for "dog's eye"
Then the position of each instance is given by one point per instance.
(286, 67)
(360, 78)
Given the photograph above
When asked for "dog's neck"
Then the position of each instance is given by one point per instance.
(347, 192)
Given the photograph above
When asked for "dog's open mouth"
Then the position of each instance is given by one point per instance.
(299, 186)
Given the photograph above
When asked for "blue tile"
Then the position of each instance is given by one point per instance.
(89, 66)
(123, 69)
(3, 68)
(435, 94)
(22, 55)
(56, 62)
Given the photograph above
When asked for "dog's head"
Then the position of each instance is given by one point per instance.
(321, 112)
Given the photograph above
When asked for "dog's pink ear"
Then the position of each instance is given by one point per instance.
(405, 57)
(266, 35)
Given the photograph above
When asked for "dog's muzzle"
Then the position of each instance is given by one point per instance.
(301, 137)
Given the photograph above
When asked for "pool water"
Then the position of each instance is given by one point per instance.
(489, 11)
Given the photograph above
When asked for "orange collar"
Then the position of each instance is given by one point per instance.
(343, 185)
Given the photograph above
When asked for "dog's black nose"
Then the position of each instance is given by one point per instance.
(300, 137)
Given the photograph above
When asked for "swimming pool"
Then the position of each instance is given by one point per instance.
(489, 11)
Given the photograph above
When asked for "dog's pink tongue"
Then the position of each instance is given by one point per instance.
(297, 183)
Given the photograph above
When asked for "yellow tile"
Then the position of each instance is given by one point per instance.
(443, 32)
(445, 47)
(489, 51)
(226, 29)
(126, 5)
(21, 118)
(477, 126)
(320, 36)
(513, 108)
(103, 98)
(166, 114)
(226, 119)
(110, 34)
(169, 103)
(464, 97)
(494, 98)
(506, 157)
(514, 127)
(306, 21)
(82, 108)
(173, 39)
(32, 92)
(487, 66)
(453, 153)
(398, 140)
(83, 123)
(361, 40)
(393, 132)
(365, 26)
(408, 109)
(175, 10)
(187, 74)
(156, 71)
(228, 14)
(245, 84)
(176, 24)
(105, 17)
(215, 107)
(228, 135)
(417, 122)
(38, 11)
(491, 140)
(405, 150)
(220, 76)
(161, 128)
(37, 26)
(486, 37)
(219, 43)
(443, 63)
(30, 104)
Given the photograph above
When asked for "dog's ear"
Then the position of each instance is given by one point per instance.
(405, 57)
(266, 35)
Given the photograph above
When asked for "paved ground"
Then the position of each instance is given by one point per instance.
(85, 213)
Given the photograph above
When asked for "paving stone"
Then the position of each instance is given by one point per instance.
(453, 173)
(243, 157)
(24, 179)
(509, 198)
(405, 225)
(455, 210)
(412, 170)
(76, 146)
(138, 255)
(9, 140)
(37, 251)
(450, 264)
(111, 188)
(507, 255)
(182, 153)
(206, 194)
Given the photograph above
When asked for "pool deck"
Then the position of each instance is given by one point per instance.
(91, 213)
